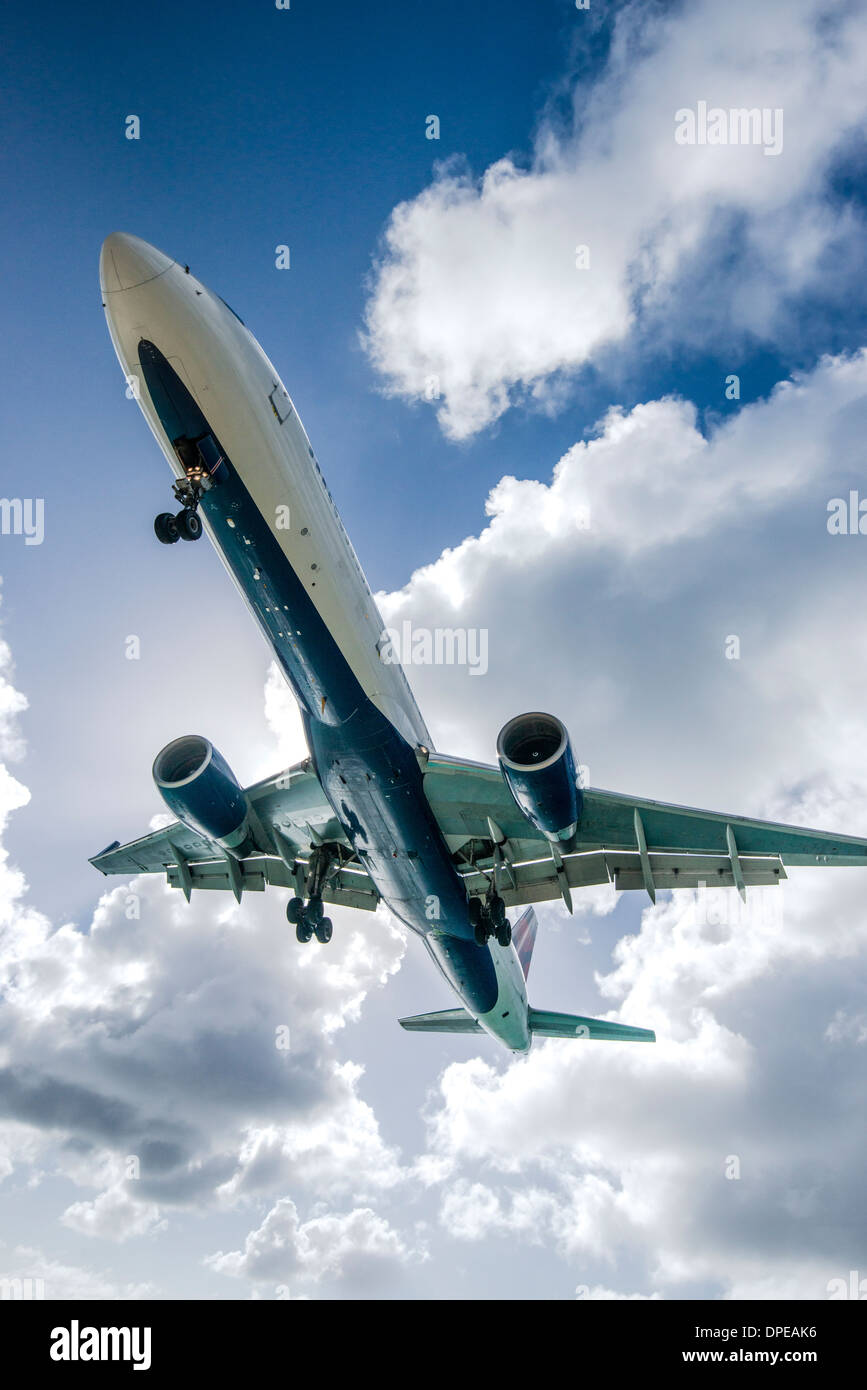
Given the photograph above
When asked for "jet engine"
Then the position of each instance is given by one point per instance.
(536, 761)
(199, 787)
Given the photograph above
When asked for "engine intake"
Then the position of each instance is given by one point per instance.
(536, 761)
(199, 787)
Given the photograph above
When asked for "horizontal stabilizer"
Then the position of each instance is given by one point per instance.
(446, 1021)
(549, 1025)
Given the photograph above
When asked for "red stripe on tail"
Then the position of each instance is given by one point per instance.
(524, 938)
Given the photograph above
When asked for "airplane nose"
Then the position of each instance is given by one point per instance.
(126, 261)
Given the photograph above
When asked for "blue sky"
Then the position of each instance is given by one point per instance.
(455, 257)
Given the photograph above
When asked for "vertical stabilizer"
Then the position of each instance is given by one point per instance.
(524, 938)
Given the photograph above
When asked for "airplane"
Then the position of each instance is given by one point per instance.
(374, 814)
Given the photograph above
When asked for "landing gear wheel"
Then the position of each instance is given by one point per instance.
(189, 524)
(481, 935)
(166, 528)
(504, 934)
(314, 910)
(294, 910)
(497, 909)
(474, 911)
(304, 930)
(323, 931)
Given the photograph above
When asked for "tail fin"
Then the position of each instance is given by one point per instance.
(524, 938)
(549, 1025)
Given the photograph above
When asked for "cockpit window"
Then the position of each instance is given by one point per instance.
(231, 310)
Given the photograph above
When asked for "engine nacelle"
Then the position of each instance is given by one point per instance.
(536, 760)
(200, 788)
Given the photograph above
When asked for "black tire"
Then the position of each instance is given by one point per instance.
(323, 931)
(314, 910)
(498, 912)
(166, 528)
(294, 909)
(481, 935)
(474, 911)
(189, 524)
(304, 931)
(504, 934)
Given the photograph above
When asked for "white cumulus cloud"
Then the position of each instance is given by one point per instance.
(477, 299)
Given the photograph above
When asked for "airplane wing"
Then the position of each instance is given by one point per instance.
(288, 813)
(629, 841)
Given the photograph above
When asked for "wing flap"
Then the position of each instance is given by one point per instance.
(536, 880)
(692, 871)
(350, 887)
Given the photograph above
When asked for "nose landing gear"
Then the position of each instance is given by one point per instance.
(187, 524)
(166, 529)
(203, 466)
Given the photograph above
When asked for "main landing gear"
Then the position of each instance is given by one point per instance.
(489, 919)
(308, 919)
